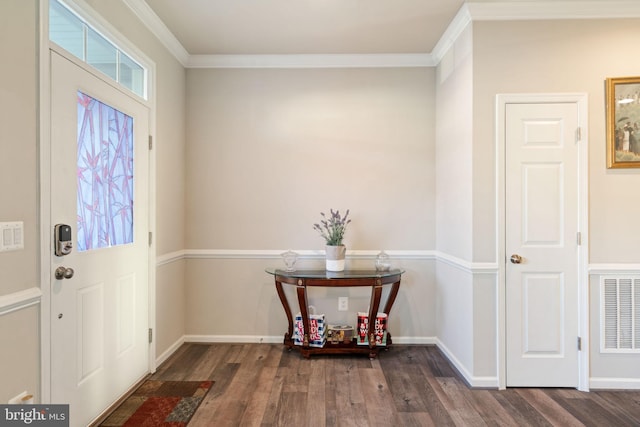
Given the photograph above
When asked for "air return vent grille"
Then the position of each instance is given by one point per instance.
(620, 314)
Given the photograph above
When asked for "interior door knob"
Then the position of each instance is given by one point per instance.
(516, 259)
(64, 273)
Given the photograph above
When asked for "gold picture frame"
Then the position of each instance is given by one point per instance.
(623, 122)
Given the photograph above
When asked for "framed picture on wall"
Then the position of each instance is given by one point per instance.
(623, 122)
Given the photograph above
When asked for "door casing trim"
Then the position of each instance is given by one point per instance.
(44, 193)
(581, 100)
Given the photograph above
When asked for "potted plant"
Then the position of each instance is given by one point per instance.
(332, 229)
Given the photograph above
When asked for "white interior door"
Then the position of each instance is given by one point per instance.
(541, 216)
(99, 182)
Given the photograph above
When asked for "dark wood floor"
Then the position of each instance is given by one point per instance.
(266, 385)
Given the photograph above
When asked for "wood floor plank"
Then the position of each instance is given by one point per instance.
(167, 364)
(439, 365)
(626, 404)
(380, 409)
(589, 412)
(464, 411)
(401, 373)
(415, 419)
(266, 359)
(259, 398)
(181, 367)
(273, 408)
(350, 405)
(316, 410)
(296, 406)
(549, 408)
(208, 363)
(232, 405)
(265, 385)
(330, 406)
(222, 378)
(490, 409)
(450, 414)
(519, 409)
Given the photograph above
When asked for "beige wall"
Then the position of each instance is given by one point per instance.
(19, 361)
(18, 136)
(269, 150)
(563, 56)
(454, 203)
(454, 149)
(20, 355)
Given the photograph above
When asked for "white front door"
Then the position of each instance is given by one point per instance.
(99, 187)
(541, 216)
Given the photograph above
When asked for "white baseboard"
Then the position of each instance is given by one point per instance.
(260, 339)
(168, 352)
(278, 339)
(476, 382)
(614, 383)
(415, 340)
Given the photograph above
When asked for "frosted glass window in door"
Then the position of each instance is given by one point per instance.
(105, 175)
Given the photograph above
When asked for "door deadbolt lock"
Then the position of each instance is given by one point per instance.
(64, 273)
(62, 237)
(516, 259)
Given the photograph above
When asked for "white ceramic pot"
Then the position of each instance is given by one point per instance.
(335, 257)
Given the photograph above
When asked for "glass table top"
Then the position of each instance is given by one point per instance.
(325, 274)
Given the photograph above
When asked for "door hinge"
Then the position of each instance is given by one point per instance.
(150, 335)
(578, 134)
(150, 238)
(150, 142)
(579, 344)
(579, 238)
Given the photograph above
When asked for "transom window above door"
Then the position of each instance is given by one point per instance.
(72, 33)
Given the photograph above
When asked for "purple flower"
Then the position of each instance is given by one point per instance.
(332, 228)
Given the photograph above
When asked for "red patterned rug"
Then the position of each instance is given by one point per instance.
(160, 403)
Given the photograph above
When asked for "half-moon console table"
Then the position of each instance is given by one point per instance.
(302, 279)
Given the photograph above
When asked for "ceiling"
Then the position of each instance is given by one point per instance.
(311, 33)
(279, 27)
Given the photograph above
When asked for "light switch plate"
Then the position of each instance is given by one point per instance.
(11, 236)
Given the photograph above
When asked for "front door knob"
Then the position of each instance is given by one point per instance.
(516, 259)
(64, 273)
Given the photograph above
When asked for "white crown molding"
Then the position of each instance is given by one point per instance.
(469, 12)
(451, 34)
(142, 10)
(562, 9)
(383, 60)
(491, 11)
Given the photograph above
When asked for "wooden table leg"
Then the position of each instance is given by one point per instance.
(288, 336)
(301, 290)
(392, 297)
(374, 304)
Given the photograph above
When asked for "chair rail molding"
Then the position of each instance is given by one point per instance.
(19, 300)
